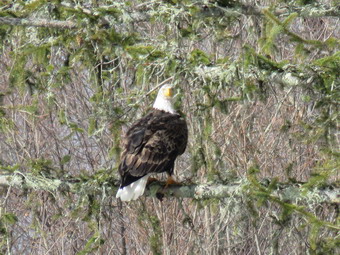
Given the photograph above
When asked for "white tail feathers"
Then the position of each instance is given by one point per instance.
(134, 190)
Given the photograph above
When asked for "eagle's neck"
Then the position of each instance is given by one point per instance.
(164, 105)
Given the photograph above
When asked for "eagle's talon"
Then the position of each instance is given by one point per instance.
(171, 181)
(151, 180)
(160, 196)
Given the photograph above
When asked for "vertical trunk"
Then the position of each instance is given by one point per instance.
(122, 227)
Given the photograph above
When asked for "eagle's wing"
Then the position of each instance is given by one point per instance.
(152, 145)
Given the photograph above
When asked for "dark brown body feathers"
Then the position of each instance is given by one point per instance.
(151, 145)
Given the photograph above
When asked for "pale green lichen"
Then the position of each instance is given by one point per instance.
(290, 79)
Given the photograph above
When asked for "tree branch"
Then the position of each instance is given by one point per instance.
(288, 75)
(292, 192)
(204, 11)
(38, 23)
(253, 10)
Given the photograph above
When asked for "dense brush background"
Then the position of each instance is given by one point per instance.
(260, 94)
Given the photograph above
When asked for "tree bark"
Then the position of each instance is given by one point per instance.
(38, 23)
(311, 11)
(204, 11)
(292, 192)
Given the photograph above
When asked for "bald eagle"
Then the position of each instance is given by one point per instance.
(151, 145)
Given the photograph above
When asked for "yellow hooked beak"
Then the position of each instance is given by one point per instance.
(168, 92)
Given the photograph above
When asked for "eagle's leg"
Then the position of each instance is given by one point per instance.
(151, 180)
(171, 181)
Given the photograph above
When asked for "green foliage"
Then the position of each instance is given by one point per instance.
(65, 159)
(62, 116)
(92, 245)
(17, 75)
(9, 168)
(38, 53)
(8, 218)
(152, 222)
(197, 159)
(256, 192)
(75, 128)
(199, 57)
(6, 221)
(326, 94)
(92, 126)
(6, 124)
(44, 167)
(144, 52)
(329, 75)
(261, 61)
(3, 33)
(33, 6)
(275, 27)
(331, 62)
(155, 238)
(323, 172)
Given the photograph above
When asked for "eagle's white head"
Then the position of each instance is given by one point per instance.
(164, 99)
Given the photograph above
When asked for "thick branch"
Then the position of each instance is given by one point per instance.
(38, 23)
(303, 11)
(198, 191)
(204, 11)
(216, 11)
(289, 75)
